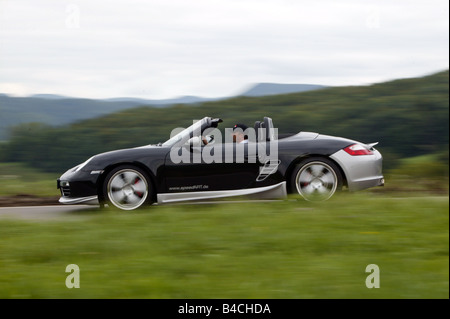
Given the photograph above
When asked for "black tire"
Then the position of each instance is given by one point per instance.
(127, 187)
(316, 179)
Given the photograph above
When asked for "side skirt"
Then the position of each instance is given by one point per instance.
(267, 192)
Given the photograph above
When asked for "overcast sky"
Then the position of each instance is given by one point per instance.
(214, 48)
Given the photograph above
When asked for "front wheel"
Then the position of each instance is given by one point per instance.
(127, 188)
(316, 179)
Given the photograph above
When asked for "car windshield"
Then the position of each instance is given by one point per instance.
(186, 133)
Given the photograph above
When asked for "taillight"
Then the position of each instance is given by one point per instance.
(358, 149)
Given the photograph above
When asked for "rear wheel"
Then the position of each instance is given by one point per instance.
(316, 179)
(127, 188)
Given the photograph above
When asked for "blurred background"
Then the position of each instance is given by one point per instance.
(409, 118)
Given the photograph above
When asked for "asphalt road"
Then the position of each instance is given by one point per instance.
(55, 212)
(47, 212)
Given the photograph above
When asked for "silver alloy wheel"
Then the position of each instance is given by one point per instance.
(127, 189)
(316, 181)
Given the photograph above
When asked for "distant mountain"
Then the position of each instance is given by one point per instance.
(264, 89)
(56, 110)
(50, 96)
(179, 100)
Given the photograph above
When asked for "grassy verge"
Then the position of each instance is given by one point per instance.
(18, 178)
(285, 249)
(426, 175)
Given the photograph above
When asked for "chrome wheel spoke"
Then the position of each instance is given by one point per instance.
(323, 190)
(117, 183)
(133, 199)
(118, 195)
(316, 170)
(308, 189)
(128, 177)
(328, 178)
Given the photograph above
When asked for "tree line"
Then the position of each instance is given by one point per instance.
(408, 117)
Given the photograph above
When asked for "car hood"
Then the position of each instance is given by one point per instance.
(128, 150)
(128, 154)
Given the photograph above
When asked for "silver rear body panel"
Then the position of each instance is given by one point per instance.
(362, 171)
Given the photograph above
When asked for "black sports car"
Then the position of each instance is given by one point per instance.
(195, 164)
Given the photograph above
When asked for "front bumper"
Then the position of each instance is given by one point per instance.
(78, 188)
(90, 200)
(361, 172)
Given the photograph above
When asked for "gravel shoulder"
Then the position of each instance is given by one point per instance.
(28, 200)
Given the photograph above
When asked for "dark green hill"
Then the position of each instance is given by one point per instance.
(408, 117)
(264, 89)
(56, 110)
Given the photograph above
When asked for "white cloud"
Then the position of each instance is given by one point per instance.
(161, 49)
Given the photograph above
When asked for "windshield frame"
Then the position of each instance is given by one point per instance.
(187, 133)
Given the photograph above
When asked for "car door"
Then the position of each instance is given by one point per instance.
(219, 167)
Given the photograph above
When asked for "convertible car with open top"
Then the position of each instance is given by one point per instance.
(196, 165)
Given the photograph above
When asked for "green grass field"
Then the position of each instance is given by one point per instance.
(285, 249)
(18, 178)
